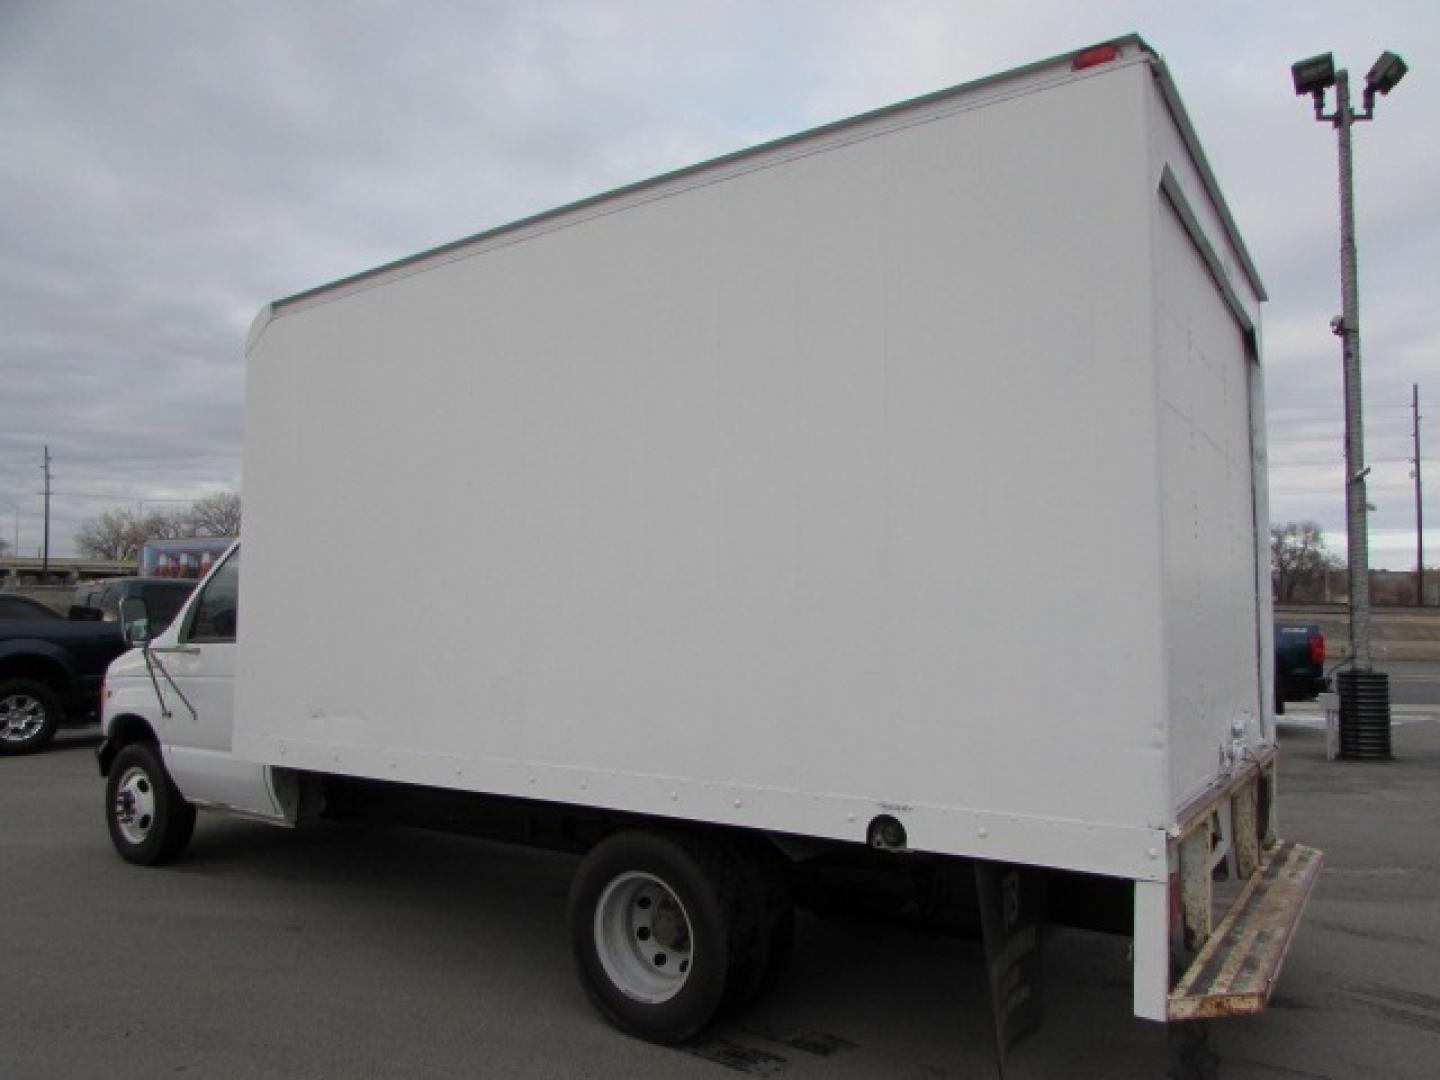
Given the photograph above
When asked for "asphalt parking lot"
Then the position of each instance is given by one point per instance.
(346, 952)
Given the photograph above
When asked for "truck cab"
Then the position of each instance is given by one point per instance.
(176, 695)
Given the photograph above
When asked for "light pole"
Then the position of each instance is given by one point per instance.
(1364, 692)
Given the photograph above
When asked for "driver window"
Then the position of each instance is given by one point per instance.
(215, 613)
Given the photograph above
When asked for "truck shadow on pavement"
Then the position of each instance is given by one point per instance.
(857, 998)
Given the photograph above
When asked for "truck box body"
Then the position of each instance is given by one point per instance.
(909, 466)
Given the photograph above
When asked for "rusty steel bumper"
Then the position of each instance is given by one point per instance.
(1235, 971)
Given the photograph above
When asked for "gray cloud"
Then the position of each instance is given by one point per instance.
(170, 167)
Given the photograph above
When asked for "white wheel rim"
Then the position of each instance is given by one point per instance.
(21, 717)
(643, 938)
(135, 805)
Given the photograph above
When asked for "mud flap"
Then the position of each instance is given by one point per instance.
(1012, 914)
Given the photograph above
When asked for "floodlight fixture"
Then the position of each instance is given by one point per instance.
(1385, 74)
(1315, 75)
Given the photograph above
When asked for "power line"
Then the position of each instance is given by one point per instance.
(110, 497)
(1319, 463)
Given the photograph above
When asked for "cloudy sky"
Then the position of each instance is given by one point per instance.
(168, 167)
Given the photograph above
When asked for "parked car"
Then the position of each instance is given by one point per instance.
(1299, 663)
(100, 600)
(52, 668)
(51, 672)
(23, 607)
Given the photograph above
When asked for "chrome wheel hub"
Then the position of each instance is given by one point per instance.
(21, 717)
(135, 805)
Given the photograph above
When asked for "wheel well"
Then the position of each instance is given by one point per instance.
(125, 730)
(40, 668)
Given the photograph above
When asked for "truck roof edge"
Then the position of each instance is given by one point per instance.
(1133, 41)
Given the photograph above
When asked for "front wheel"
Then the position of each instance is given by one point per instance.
(653, 921)
(29, 714)
(150, 822)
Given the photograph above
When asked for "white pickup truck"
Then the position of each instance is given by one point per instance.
(760, 477)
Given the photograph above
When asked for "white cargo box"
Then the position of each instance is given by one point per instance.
(910, 466)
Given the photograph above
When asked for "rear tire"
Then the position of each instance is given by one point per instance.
(150, 821)
(765, 931)
(782, 947)
(653, 924)
(29, 714)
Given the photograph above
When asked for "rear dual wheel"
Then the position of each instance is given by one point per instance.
(669, 928)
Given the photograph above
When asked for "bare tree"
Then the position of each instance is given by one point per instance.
(214, 515)
(119, 534)
(114, 534)
(160, 525)
(1299, 560)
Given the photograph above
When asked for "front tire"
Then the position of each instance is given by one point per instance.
(653, 925)
(29, 714)
(150, 822)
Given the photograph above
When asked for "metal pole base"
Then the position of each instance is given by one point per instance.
(1364, 715)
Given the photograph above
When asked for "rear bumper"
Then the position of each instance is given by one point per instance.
(1301, 685)
(1235, 972)
(1234, 957)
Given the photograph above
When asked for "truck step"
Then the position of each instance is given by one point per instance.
(1236, 970)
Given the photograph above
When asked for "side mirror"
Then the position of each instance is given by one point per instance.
(135, 621)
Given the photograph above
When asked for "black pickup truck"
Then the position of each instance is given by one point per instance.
(1299, 663)
(52, 668)
(51, 671)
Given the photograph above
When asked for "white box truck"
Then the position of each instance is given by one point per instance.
(890, 496)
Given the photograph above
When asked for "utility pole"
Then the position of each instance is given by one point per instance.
(1419, 504)
(45, 556)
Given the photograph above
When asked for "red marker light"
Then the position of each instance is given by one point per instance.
(1317, 649)
(1100, 54)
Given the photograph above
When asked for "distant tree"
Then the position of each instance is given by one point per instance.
(1299, 560)
(119, 534)
(162, 525)
(114, 535)
(214, 515)
(4, 545)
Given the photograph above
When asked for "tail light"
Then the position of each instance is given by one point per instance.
(1317, 649)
